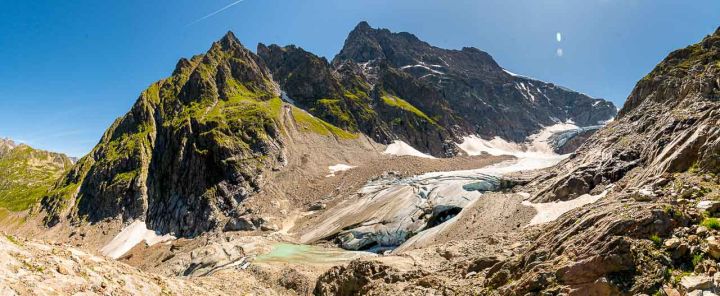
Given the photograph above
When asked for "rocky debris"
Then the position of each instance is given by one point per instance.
(216, 255)
(644, 194)
(662, 132)
(249, 222)
(358, 278)
(317, 206)
(35, 268)
(713, 247)
(240, 224)
(293, 280)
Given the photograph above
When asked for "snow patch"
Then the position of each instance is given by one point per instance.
(424, 66)
(522, 76)
(130, 236)
(605, 122)
(512, 74)
(537, 145)
(401, 148)
(525, 91)
(550, 211)
(338, 168)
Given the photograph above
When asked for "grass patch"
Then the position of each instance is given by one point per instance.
(319, 126)
(13, 240)
(656, 239)
(396, 102)
(711, 223)
(697, 258)
(334, 110)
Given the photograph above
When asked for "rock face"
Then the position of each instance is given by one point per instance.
(477, 90)
(395, 86)
(26, 174)
(193, 146)
(668, 126)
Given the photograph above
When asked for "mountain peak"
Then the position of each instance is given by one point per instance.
(362, 26)
(229, 39)
(6, 144)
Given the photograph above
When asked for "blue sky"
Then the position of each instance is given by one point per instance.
(69, 68)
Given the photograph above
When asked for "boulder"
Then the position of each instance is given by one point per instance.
(240, 224)
(696, 282)
(681, 251)
(713, 248)
(644, 194)
(317, 206)
(711, 206)
(672, 243)
(670, 291)
(483, 263)
(701, 231)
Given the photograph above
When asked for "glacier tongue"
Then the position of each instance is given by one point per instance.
(389, 211)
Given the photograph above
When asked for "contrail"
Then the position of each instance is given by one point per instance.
(214, 13)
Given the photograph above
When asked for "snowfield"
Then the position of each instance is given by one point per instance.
(550, 211)
(401, 148)
(130, 236)
(338, 168)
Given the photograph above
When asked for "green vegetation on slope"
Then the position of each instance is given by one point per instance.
(319, 126)
(396, 102)
(26, 175)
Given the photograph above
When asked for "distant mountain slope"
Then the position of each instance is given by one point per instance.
(26, 174)
(467, 87)
(394, 86)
